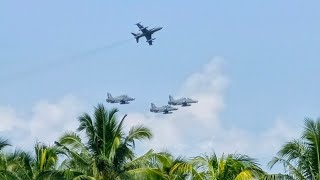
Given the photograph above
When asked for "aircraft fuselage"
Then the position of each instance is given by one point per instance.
(146, 32)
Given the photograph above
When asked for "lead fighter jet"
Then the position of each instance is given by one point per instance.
(123, 99)
(182, 101)
(146, 32)
(165, 109)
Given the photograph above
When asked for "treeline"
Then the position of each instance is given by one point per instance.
(108, 154)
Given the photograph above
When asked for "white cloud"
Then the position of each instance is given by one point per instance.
(46, 122)
(8, 119)
(188, 131)
(199, 129)
(181, 131)
(274, 137)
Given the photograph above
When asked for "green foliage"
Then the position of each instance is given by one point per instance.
(107, 153)
(108, 148)
(3, 143)
(232, 166)
(301, 157)
(276, 177)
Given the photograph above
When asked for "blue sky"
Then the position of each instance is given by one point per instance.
(269, 49)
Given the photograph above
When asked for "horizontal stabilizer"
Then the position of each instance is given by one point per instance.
(136, 36)
(151, 39)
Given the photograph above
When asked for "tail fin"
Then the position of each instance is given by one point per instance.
(109, 96)
(171, 98)
(135, 35)
(153, 106)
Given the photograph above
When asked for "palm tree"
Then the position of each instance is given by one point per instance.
(301, 157)
(161, 165)
(12, 164)
(78, 156)
(108, 148)
(6, 166)
(232, 166)
(173, 168)
(43, 165)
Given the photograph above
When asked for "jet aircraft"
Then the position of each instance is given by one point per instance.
(123, 99)
(146, 32)
(182, 101)
(167, 109)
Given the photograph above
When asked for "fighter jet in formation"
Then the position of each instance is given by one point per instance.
(167, 109)
(146, 32)
(182, 101)
(123, 99)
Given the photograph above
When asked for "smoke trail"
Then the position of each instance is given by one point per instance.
(65, 61)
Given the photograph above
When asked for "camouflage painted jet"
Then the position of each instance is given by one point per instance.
(163, 109)
(146, 32)
(123, 99)
(182, 101)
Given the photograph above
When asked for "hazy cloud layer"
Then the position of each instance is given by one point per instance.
(45, 123)
(188, 131)
(198, 129)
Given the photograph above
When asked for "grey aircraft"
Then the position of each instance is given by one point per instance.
(123, 99)
(146, 32)
(182, 101)
(167, 109)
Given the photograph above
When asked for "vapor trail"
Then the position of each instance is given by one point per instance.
(64, 61)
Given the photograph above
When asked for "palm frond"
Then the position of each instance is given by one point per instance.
(138, 133)
(3, 143)
(292, 170)
(244, 175)
(72, 140)
(9, 175)
(276, 177)
(115, 143)
(142, 161)
(144, 174)
(58, 174)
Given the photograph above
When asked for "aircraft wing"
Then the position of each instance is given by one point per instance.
(140, 26)
(149, 40)
(186, 104)
(124, 101)
(166, 111)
